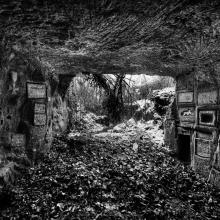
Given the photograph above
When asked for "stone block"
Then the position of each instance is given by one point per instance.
(36, 90)
(185, 97)
(202, 147)
(186, 114)
(215, 177)
(40, 108)
(202, 165)
(207, 97)
(40, 119)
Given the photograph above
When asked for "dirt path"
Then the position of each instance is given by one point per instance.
(110, 176)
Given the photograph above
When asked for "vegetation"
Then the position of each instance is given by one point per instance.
(86, 96)
(100, 94)
(144, 91)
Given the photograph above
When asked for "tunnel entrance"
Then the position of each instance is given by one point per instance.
(183, 150)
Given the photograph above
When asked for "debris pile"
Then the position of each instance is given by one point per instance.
(154, 107)
(162, 98)
(88, 121)
(136, 130)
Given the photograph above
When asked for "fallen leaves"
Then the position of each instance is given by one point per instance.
(86, 177)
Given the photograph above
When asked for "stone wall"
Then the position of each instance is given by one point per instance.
(197, 125)
(170, 126)
(32, 109)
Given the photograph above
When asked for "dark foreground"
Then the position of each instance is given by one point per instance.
(104, 178)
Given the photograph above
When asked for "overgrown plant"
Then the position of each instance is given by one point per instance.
(113, 101)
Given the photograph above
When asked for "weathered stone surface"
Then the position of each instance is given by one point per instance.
(107, 36)
(29, 113)
(18, 101)
(170, 126)
(203, 144)
(36, 90)
(185, 97)
(185, 82)
(199, 118)
(186, 114)
(202, 165)
(208, 97)
(170, 134)
(215, 177)
(202, 148)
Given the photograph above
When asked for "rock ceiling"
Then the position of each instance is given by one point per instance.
(106, 36)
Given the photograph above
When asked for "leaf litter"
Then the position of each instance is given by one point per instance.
(89, 176)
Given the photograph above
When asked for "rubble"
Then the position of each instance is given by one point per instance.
(89, 122)
(162, 99)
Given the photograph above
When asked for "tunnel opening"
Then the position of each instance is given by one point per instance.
(184, 149)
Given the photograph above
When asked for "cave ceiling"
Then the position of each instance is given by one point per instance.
(106, 36)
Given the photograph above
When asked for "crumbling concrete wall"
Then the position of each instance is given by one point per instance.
(32, 108)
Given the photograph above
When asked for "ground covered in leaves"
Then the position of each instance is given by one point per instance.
(96, 177)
